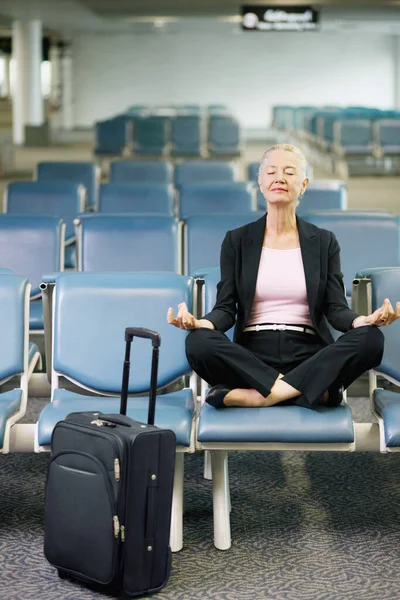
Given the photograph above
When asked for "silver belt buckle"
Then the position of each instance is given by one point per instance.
(279, 327)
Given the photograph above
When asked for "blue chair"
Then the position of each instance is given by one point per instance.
(353, 137)
(136, 198)
(140, 171)
(97, 307)
(113, 136)
(270, 429)
(127, 243)
(252, 171)
(372, 286)
(150, 135)
(186, 135)
(85, 173)
(203, 236)
(215, 197)
(31, 245)
(63, 200)
(199, 171)
(223, 136)
(17, 357)
(319, 195)
(387, 136)
(366, 239)
(324, 194)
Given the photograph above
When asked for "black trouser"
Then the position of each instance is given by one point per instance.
(257, 358)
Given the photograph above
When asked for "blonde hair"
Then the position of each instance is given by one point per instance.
(286, 148)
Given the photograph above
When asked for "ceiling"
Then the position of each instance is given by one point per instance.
(108, 8)
(171, 16)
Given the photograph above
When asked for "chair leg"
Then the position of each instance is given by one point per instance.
(221, 501)
(176, 536)
(207, 473)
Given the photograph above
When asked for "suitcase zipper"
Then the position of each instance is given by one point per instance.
(117, 469)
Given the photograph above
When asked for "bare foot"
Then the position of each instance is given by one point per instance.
(244, 397)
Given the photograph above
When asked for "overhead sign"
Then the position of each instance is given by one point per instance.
(280, 18)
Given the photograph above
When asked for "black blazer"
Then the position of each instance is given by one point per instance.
(240, 257)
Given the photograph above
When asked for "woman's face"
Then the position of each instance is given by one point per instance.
(282, 179)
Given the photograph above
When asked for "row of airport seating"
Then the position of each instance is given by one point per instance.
(320, 194)
(178, 135)
(85, 316)
(354, 131)
(32, 245)
(65, 200)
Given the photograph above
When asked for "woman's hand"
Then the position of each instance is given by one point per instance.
(184, 319)
(385, 315)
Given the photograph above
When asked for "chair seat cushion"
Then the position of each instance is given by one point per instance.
(9, 404)
(284, 424)
(36, 314)
(173, 411)
(387, 405)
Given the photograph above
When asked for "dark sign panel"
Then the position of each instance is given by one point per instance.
(280, 18)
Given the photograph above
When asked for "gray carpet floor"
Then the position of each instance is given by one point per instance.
(305, 526)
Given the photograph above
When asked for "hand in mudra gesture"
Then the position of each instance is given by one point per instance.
(385, 315)
(184, 319)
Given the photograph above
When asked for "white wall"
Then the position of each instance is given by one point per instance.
(249, 71)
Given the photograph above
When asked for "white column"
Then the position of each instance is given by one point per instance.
(34, 98)
(6, 87)
(54, 56)
(396, 78)
(66, 89)
(19, 53)
(27, 98)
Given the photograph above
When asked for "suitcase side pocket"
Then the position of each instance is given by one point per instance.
(82, 529)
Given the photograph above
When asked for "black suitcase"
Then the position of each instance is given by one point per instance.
(109, 494)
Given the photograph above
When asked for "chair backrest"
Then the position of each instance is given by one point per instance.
(353, 132)
(204, 235)
(85, 173)
(140, 171)
(215, 197)
(31, 245)
(386, 284)
(186, 134)
(388, 133)
(211, 278)
(329, 194)
(63, 200)
(138, 198)
(321, 194)
(197, 171)
(223, 134)
(112, 136)
(97, 307)
(150, 134)
(13, 319)
(252, 171)
(127, 243)
(366, 239)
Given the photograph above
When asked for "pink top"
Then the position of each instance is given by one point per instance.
(281, 294)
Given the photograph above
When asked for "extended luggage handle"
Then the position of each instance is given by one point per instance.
(130, 333)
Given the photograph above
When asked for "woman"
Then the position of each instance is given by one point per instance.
(281, 281)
